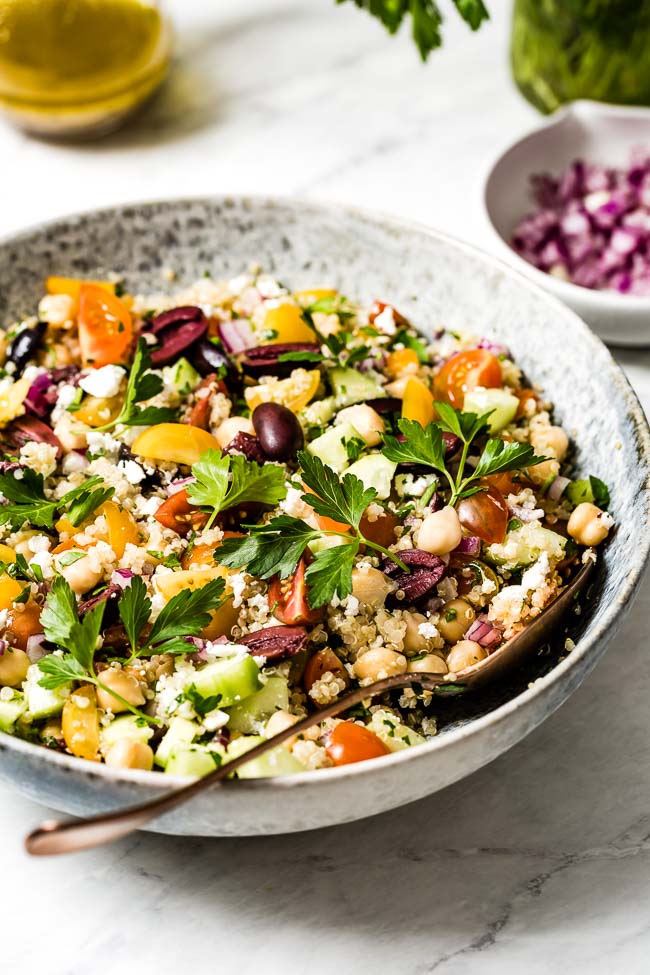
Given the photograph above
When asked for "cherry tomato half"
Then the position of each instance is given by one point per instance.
(485, 514)
(323, 662)
(350, 742)
(288, 599)
(507, 482)
(180, 515)
(105, 327)
(465, 371)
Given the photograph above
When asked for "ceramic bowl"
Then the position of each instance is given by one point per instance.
(433, 279)
(605, 134)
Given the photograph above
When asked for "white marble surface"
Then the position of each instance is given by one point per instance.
(540, 863)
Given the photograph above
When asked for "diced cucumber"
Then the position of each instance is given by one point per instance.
(319, 413)
(328, 541)
(233, 679)
(180, 732)
(503, 403)
(127, 727)
(376, 471)
(43, 703)
(183, 376)
(392, 732)
(193, 760)
(330, 446)
(278, 761)
(591, 489)
(247, 716)
(524, 545)
(12, 710)
(352, 387)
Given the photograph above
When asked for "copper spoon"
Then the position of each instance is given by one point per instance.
(73, 835)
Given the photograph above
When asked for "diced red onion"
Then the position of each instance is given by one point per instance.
(495, 347)
(470, 545)
(3, 646)
(558, 487)
(592, 226)
(237, 336)
(121, 578)
(177, 486)
(35, 647)
(483, 632)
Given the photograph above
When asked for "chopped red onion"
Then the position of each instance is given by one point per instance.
(483, 632)
(592, 226)
(177, 486)
(35, 648)
(3, 646)
(558, 487)
(471, 545)
(121, 578)
(237, 336)
(495, 347)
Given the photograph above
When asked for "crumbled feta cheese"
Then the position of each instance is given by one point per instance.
(132, 471)
(103, 382)
(40, 457)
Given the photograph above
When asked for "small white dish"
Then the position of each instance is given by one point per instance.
(604, 134)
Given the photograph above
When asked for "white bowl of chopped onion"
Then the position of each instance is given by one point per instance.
(570, 203)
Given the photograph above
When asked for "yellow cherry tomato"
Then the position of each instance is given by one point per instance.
(72, 286)
(312, 295)
(294, 392)
(80, 723)
(11, 401)
(122, 529)
(7, 554)
(285, 323)
(177, 443)
(10, 589)
(418, 403)
(401, 361)
(95, 411)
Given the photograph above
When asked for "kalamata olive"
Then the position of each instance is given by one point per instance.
(206, 357)
(278, 430)
(250, 447)
(385, 404)
(425, 571)
(265, 360)
(28, 429)
(176, 338)
(175, 316)
(275, 642)
(25, 346)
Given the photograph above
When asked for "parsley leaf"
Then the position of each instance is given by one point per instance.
(421, 445)
(499, 456)
(142, 385)
(31, 503)
(271, 549)
(59, 671)
(224, 481)
(343, 500)
(202, 705)
(331, 574)
(61, 624)
(300, 356)
(134, 608)
(186, 614)
(84, 505)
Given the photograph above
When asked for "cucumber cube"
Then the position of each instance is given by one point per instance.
(376, 471)
(127, 727)
(233, 679)
(279, 761)
(43, 703)
(11, 710)
(330, 446)
(180, 732)
(351, 387)
(503, 403)
(193, 760)
(247, 716)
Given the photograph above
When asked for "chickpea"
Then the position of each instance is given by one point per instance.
(82, 575)
(431, 663)
(378, 663)
(414, 642)
(588, 525)
(14, 665)
(465, 654)
(366, 421)
(370, 587)
(440, 532)
(551, 442)
(278, 721)
(127, 753)
(541, 473)
(456, 617)
(71, 432)
(56, 309)
(228, 429)
(123, 684)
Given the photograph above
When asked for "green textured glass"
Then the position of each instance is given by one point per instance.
(567, 49)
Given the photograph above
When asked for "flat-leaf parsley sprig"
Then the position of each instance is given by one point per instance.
(277, 547)
(142, 385)
(28, 502)
(425, 445)
(224, 481)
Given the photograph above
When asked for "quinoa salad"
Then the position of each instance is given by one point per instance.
(223, 510)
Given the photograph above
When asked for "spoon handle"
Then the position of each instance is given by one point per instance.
(70, 836)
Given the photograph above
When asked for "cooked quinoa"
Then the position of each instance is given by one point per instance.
(222, 510)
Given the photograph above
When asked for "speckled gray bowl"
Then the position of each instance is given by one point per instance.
(435, 280)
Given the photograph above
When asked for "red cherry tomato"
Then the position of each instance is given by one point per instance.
(288, 599)
(465, 371)
(485, 514)
(105, 327)
(180, 515)
(350, 742)
(507, 482)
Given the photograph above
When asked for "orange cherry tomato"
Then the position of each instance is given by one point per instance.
(180, 515)
(288, 599)
(105, 327)
(23, 622)
(350, 742)
(323, 662)
(525, 396)
(465, 371)
(485, 514)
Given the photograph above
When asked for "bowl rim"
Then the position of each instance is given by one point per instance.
(161, 782)
(602, 300)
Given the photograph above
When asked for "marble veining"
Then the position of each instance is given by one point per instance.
(540, 861)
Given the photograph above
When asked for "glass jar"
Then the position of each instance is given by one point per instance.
(567, 49)
(71, 68)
